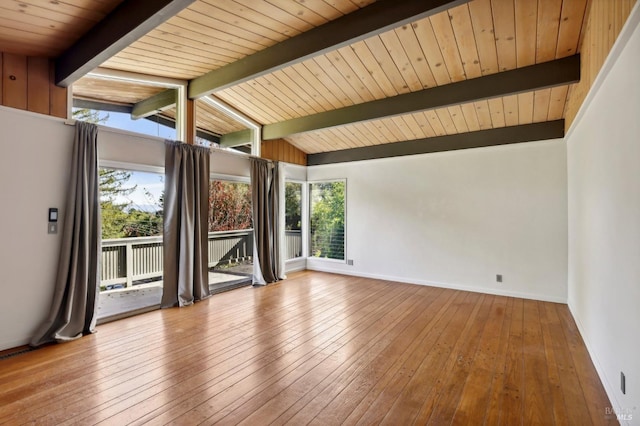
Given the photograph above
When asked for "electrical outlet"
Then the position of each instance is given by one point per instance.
(350, 262)
(53, 228)
(623, 383)
(499, 278)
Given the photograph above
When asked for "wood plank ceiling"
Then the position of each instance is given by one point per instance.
(475, 39)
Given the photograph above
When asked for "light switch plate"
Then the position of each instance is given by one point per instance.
(53, 228)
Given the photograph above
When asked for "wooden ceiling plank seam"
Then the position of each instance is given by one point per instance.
(379, 127)
(458, 119)
(206, 23)
(361, 72)
(413, 50)
(314, 83)
(460, 18)
(344, 7)
(131, 65)
(407, 134)
(13, 33)
(240, 21)
(526, 15)
(548, 26)
(484, 114)
(525, 108)
(362, 51)
(87, 10)
(447, 41)
(470, 116)
(262, 101)
(427, 39)
(479, 139)
(557, 103)
(415, 127)
(372, 136)
(549, 74)
(290, 105)
(511, 110)
(168, 33)
(304, 13)
(267, 9)
(364, 23)
(37, 24)
(384, 59)
(436, 124)
(126, 23)
(482, 22)
(298, 83)
(200, 31)
(541, 100)
(496, 109)
(240, 100)
(304, 103)
(143, 58)
(36, 11)
(356, 137)
(505, 33)
(400, 59)
(424, 124)
(393, 128)
(252, 16)
(348, 75)
(321, 8)
(317, 67)
(172, 54)
(447, 122)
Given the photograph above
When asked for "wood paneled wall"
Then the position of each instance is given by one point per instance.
(281, 150)
(605, 19)
(27, 82)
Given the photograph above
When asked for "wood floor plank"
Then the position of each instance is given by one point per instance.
(318, 349)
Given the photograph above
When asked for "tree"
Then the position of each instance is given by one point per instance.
(327, 219)
(229, 206)
(293, 206)
(113, 189)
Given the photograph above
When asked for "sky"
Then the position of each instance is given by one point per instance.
(149, 186)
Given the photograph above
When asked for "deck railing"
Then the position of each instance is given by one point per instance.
(125, 260)
(129, 260)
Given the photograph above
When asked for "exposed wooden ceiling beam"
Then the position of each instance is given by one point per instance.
(129, 21)
(241, 137)
(371, 20)
(154, 104)
(549, 74)
(483, 138)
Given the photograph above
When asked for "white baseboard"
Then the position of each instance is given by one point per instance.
(13, 344)
(485, 290)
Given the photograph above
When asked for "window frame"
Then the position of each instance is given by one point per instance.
(308, 220)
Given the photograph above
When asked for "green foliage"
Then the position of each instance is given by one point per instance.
(229, 206)
(90, 116)
(327, 219)
(293, 206)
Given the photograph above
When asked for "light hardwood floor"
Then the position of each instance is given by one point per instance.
(321, 349)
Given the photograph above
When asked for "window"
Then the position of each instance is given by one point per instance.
(293, 220)
(152, 126)
(327, 219)
(131, 204)
(230, 235)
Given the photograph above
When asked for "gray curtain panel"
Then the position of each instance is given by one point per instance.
(265, 197)
(186, 204)
(75, 298)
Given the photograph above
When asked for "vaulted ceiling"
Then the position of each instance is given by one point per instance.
(325, 75)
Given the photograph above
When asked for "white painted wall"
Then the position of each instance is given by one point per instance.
(456, 219)
(604, 221)
(34, 165)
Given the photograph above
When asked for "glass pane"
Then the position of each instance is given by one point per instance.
(230, 235)
(293, 220)
(327, 213)
(132, 248)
